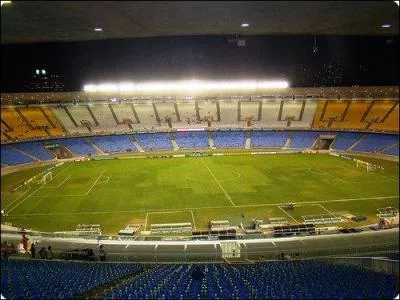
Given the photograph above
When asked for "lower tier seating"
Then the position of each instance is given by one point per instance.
(376, 142)
(274, 139)
(10, 156)
(36, 149)
(191, 139)
(154, 140)
(35, 279)
(114, 143)
(229, 139)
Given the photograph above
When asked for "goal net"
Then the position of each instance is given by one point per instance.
(45, 178)
(365, 165)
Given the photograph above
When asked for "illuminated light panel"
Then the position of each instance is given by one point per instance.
(386, 26)
(245, 25)
(5, 2)
(185, 85)
(98, 29)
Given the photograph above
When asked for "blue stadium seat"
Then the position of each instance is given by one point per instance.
(11, 156)
(191, 139)
(114, 143)
(344, 140)
(274, 139)
(153, 140)
(77, 146)
(392, 150)
(36, 149)
(304, 139)
(35, 279)
(229, 139)
(376, 142)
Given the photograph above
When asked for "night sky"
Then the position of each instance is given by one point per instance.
(340, 61)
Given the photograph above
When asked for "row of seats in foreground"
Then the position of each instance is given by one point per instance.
(19, 153)
(24, 279)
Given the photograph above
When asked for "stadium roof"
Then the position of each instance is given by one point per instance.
(331, 93)
(52, 21)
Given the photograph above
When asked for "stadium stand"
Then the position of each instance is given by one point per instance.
(268, 139)
(147, 116)
(41, 116)
(393, 150)
(114, 143)
(70, 124)
(303, 139)
(105, 118)
(154, 140)
(35, 279)
(376, 142)
(229, 139)
(191, 139)
(77, 145)
(10, 156)
(36, 149)
(387, 115)
(19, 125)
(344, 140)
(273, 280)
(229, 114)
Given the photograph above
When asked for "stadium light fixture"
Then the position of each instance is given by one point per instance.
(98, 29)
(245, 25)
(185, 85)
(397, 2)
(5, 2)
(386, 26)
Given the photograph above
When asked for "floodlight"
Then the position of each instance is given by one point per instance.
(185, 85)
(386, 26)
(43, 72)
(37, 71)
(5, 2)
(98, 29)
(245, 25)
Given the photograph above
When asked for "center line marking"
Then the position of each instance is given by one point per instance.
(216, 180)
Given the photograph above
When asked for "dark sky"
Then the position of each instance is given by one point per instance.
(352, 60)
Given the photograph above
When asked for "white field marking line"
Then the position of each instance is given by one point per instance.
(19, 197)
(223, 180)
(62, 171)
(57, 186)
(105, 181)
(194, 222)
(95, 182)
(77, 195)
(172, 210)
(216, 180)
(18, 204)
(329, 212)
(288, 215)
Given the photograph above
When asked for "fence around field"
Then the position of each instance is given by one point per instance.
(351, 244)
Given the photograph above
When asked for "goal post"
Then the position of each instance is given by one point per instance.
(364, 164)
(45, 178)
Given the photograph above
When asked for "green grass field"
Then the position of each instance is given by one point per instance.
(118, 192)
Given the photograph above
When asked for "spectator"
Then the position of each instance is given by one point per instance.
(102, 255)
(91, 254)
(43, 253)
(33, 250)
(50, 253)
(4, 251)
(25, 243)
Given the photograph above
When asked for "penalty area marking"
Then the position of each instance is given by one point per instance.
(289, 215)
(328, 211)
(57, 186)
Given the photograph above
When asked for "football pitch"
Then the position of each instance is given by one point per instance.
(237, 188)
